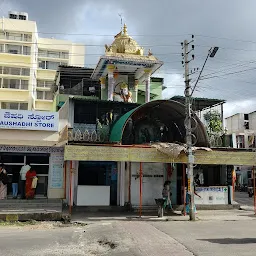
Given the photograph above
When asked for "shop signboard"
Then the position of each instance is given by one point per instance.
(212, 195)
(56, 176)
(29, 120)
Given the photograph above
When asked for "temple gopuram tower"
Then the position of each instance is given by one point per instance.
(124, 68)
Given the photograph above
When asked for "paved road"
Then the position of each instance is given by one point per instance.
(117, 238)
(243, 199)
(216, 238)
(133, 238)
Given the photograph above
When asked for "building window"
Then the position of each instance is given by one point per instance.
(14, 105)
(15, 71)
(40, 95)
(64, 55)
(44, 95)
(24, 84)
(18, 49)
(53, 54)
(13, 49)
(1, 47)
(44, 84)
(27, 37)
(2, 35)
(240, 141)
(42, 53)
(26, 50)
(15, 84)
(25, 72)
(11, 71)
(14, 36)
(50, 64)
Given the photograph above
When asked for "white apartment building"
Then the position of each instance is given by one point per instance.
(28, 63)
(242, 128)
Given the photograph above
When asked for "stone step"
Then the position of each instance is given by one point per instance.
(145, 208)
(12, 204)
(98, 208)
(34, 200)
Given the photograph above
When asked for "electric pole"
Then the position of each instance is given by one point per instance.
(188, 113)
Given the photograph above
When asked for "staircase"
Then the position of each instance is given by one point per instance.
(35, 205)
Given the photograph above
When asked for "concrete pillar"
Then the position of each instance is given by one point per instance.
(147, 92)
(122, 183)
(111, 81)
(103, 83)
(103, 88)
(135, 91)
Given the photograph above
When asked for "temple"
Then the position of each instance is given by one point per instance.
(124, 140)
(125, 71)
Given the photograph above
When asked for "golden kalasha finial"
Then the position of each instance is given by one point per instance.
(125, 29)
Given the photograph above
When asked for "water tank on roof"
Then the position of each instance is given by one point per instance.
(23, 16)
(13, 15)
(18, 15)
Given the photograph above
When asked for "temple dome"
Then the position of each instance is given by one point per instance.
(124, 44)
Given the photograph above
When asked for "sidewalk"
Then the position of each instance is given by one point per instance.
(204, 215)
(31, 214)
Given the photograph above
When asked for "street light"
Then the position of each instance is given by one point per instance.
(212, 52)
(188, 95)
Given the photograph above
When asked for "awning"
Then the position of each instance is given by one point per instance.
(168, 112)
(118, 127)
(152, 155)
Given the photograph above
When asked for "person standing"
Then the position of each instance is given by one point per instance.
(15, 181)
(188, 199)
(3, 182)
(166, 193)
(30, 189)
(23, 172)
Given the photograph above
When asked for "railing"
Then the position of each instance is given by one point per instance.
(216, 139)
(89, 133)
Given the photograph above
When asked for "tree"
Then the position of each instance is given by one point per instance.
(213, 122)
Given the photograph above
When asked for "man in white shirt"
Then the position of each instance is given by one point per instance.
(23, 172)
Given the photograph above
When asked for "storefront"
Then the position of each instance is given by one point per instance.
(37, 138)
(216, 166)
(47, 162)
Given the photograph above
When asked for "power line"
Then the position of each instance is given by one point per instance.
(229, 39)
(224, 70)
(231, 73)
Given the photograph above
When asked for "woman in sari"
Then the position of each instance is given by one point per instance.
(30, 191)
(3, 182)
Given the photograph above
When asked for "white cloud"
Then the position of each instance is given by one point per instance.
(241, 106)
(162, 25)
(174, 84)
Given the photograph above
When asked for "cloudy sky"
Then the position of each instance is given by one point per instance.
(162, 25)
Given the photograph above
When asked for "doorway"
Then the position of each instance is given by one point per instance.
(99, 174)
(40, 162)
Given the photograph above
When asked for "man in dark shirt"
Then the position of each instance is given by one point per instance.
(15, 182)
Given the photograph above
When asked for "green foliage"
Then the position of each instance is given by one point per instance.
(214, 121)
